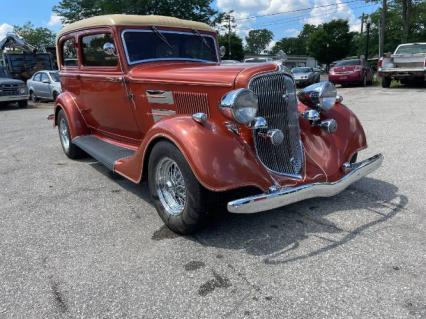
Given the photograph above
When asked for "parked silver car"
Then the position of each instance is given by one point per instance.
(44, 85)
(304, 76)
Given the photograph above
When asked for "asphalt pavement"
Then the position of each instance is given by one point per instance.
(79, 242)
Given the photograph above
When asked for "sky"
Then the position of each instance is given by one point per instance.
(39, 12)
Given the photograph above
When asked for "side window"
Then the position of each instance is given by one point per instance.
(69, 53)
(37, 77)
(93, 53)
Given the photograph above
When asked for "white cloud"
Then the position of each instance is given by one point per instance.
(340, 11)
(4, 29)
(292, 32)
(54, 20)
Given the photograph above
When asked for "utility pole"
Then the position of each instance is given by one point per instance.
(368, 22)
(382, 27)
(229, 35)
(362, 23)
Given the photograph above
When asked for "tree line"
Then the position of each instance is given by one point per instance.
(405, 22)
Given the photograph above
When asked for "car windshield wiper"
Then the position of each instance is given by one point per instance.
(202, 38)
(162, 37)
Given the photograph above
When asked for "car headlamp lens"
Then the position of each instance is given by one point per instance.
(240, 105)
(22, 91)
(319, 95)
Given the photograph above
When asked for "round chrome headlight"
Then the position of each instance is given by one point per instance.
(22, 90)
(320, 95)
(240, 105)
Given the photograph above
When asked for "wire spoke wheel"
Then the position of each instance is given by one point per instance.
(170, 186)
(63, 134)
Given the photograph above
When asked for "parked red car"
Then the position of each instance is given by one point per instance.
(353, 71)
(147, 97)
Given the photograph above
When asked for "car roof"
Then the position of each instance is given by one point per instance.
(134, 20)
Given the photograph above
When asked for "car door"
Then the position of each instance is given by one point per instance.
(106, 104)
(44, 86)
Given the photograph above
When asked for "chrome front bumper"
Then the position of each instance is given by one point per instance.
(289, 195)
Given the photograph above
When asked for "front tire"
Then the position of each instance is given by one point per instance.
(33, 97)
(70, 150)
(386, 81)
(180, 200)
(23, 104)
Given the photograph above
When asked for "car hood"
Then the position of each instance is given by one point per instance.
(11, 81)
(198, 73)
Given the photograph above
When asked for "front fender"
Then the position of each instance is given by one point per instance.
(219, 159)
(330, 151)
(76, 123)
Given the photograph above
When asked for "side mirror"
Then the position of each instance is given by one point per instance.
(222, 50)
(109, 48)
(320, 95)
(281, 56)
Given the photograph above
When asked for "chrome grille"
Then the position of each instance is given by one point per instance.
(9, 89)
(278, 105)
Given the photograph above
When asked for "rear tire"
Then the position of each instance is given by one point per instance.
(54, 96)
(70, 150)
(180, 200)
(386, 81)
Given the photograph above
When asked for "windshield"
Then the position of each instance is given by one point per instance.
(3, 73)
(348, 62)
(54, 76)
(411, 49)
(301, 70)
(148, 45)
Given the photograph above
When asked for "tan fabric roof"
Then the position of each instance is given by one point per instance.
(134, 20)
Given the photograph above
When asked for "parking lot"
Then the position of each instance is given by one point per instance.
(78, 241)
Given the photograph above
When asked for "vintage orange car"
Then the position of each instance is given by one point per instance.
(148, 97)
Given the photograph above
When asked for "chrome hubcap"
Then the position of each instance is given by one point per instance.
(63, 134)
(170, 186)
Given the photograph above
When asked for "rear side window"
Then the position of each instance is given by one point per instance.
(37, 77)
(69, 53)
(44, 77)
(93, 53)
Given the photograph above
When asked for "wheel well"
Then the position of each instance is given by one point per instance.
(148, 153)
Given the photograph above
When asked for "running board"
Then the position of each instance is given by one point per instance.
(104, 152)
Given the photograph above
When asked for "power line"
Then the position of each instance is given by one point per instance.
(299, 18)
(296, 10)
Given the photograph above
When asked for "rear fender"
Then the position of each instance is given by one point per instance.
(76, 123)
(219, 159)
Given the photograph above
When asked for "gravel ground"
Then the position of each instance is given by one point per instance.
(77, 241)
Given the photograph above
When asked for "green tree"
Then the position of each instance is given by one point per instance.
(330, 41)
(237, 51)
(291, 46)
(258, 40)
(38, 37)
(197, 10)
(295, 45)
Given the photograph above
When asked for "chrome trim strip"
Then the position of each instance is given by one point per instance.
(289, 195)
(167, 59)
